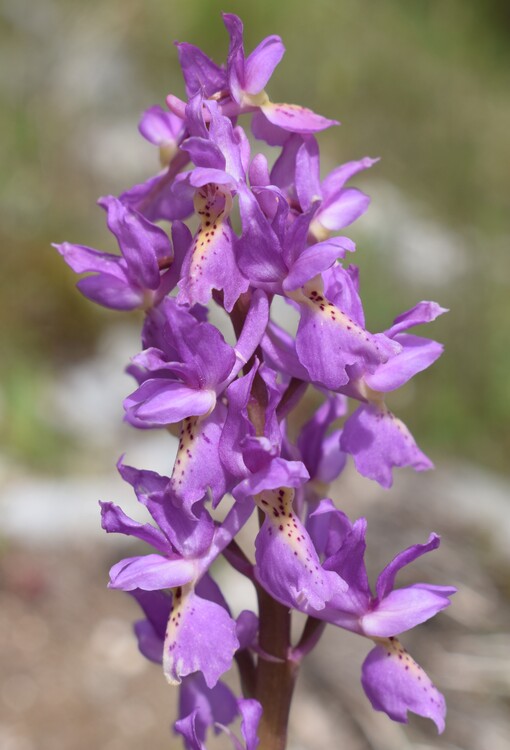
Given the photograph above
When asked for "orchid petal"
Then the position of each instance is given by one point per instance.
(295, 118)
(200, 637)
(396, 684)
(378, 441)
(260, 64)
(160, 401)
(151, 572)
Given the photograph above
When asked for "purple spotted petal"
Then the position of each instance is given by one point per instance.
(211, 264)
(200, 637)
(396, 684)
(287, 564)
(197, 470)
(328, 340)
(151, 572)
(342, 289)
(378, 441)
(295, 118)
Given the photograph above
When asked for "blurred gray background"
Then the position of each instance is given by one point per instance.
(424, 85)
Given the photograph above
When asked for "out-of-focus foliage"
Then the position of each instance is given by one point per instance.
(423, 84)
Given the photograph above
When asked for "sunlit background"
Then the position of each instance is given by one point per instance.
(424, 85)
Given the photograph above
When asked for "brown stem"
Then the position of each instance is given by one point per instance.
(275, 679)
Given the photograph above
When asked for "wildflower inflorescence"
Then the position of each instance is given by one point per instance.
(231, 403)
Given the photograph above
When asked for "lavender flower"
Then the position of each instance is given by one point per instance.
(232, 398)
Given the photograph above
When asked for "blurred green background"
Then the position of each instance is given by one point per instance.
(422, 83)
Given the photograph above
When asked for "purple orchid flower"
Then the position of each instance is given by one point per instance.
(274, 253)
(297, 173)
(182, 382)
(330, 340)
(233, 404)
(192, 365)
(393, 681)
(133, 279)
(202, 708)
(376, 439)
(211, 707)
(250, 711)
(220, 154)
(241, 86)
(287, 564)
(276, 258)
(200, 635)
